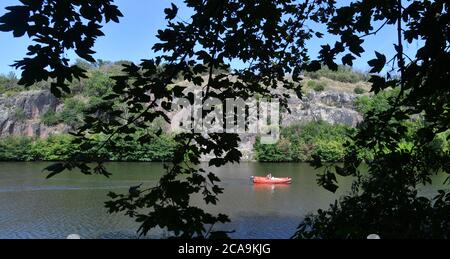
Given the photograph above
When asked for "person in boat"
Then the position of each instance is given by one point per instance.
(269, 176)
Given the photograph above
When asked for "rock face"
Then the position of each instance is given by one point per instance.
(20, 115)
(330, 106)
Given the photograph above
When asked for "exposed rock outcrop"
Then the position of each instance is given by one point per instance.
(20, 115)
(330, 106)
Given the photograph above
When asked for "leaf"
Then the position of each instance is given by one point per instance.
(328, 181)
(319, 35)
(341, 171)
(378, 63)
(54, 169)
(313, 66)
(213, 178)
(134, 191)
(171, 13)
(348, 60)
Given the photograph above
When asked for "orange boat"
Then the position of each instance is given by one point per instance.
(271, 180)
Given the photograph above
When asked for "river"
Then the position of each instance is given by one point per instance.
(32, 207)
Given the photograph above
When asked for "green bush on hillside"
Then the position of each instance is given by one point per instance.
(73, 112)
(359, 90)
(299, 143)
(50, 118)
(378, 102)
(316, 85)
(343, 74)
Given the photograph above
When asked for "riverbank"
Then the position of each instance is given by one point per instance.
(297, 143)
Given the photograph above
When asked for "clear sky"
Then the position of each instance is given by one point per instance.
(133, 37)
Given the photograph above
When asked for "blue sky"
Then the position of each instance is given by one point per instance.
(134, 36)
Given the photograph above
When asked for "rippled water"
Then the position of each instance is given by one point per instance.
(32, 207)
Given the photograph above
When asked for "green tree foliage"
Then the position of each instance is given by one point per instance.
(53, 148)
(303, 142)
(61, 147)
(73, 111)
(86, 93)
(378, 102)
(15, 149)
(279, 152)
(50, 118)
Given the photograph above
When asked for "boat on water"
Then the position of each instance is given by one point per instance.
(271, 180)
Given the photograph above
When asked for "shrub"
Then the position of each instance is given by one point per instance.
(158, 149)
(271, 153)
(98, 84)
(61, 147)
(311, 83)
(50, 118)
(359, 90)
(73, 112)
(320, 86)
(54, 148)
(378, 102)
(343, 74)
(316, 85)
(11, 93)
(329, 150)
(15, 149)
(298, 143)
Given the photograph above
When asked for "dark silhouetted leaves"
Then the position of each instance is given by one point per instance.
(378, 63)
(171, 12)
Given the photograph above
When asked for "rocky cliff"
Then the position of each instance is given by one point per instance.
(20, 115)
(333, 107)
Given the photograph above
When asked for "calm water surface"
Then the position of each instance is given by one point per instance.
(32, 207)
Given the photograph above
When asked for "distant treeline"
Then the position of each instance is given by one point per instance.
(298, 143)
(61, 147)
